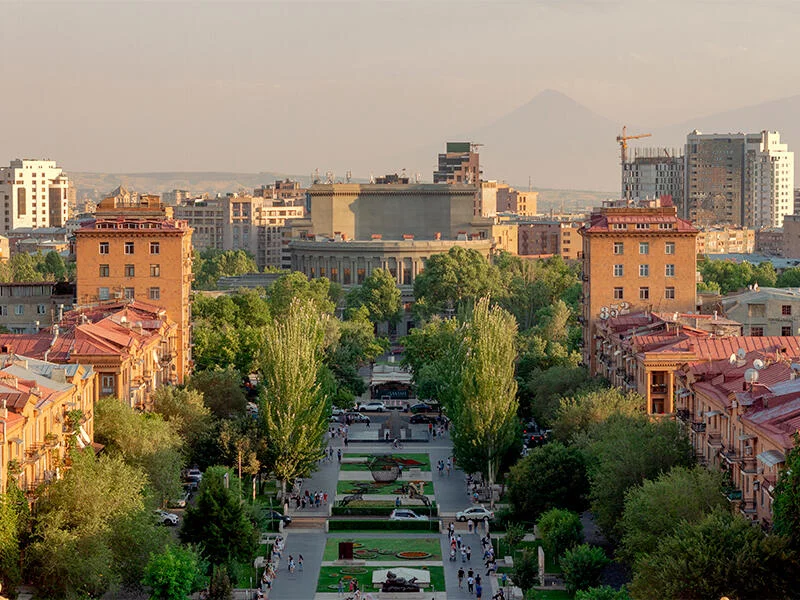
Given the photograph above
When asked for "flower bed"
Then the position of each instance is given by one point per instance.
(412, 555)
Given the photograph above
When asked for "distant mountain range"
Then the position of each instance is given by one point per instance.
(552, 140)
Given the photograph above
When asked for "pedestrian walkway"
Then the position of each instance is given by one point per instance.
(302, 584)
(476, 562)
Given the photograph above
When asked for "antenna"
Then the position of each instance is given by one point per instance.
(348, 175)
(741, 354)
(758, 364)
(732, 359)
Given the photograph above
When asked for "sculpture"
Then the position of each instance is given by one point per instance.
(394, 583)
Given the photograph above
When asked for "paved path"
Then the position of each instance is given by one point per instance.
(300, 585)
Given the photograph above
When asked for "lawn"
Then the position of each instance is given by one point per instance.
(423, 459)
(385, 489)
(387, 547)
(550, 595)
(330, 576)
(550, 563)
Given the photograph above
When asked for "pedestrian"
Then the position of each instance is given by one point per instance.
(447, 467)
(470, 572)
(303, 502)
(351, 586)
(470, 584)
(470, 525)
(345, 440)
(478, 590)
(477, 578)
(290, 564)
(341, 587)
(339, 454)
(325, 498)
(469, 553)
(463, 555)
(452, 528)
(300, 562)
(504, 580)
(458, 540)
(460, 577)
(397, 502)
(400, 470)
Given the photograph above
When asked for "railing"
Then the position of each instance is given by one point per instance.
(620, 371)
(658, 388)
(714, 439)
(749, 465)
(682, 414)
(698, 427)
(733, 495)
(730, 455)
(748, 507)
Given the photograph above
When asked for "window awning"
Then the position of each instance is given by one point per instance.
(771, 458)
(743, 437)
(684, 393)
(713, 413)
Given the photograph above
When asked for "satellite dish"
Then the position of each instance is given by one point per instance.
(741, 354)
(751, 376)
(732, 359)
(758, 364)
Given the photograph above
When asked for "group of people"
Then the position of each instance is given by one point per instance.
(310, 500)
(444, 466)
(474, 582)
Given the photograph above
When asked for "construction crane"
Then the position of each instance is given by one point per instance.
(623, 142)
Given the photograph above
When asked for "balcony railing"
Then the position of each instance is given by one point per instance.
(714, 440)
(658, 388)
(733, 495)
(682, 414)
(749, 465)
(730, 456)
(748, 507)
(698, 427)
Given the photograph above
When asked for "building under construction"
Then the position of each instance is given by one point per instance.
(652, 173)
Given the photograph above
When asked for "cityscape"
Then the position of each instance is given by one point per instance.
(463, 347)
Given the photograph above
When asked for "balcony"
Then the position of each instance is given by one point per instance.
(730, 456)
(620, 371)
(658, 388)
(682, 414)
(733, 495)
(714, 440)
(33, 452)
(698, 427)
(749, 465)
(748, 508)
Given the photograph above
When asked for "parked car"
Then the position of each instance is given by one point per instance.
(193, 475)
(372, 407)
(338, 411)
(191, 487)
(404, 514)
(182, 500)
(420, 418)
(421, 407)
(167, 518)
(276, 516)
(357, 417)
(476, 513)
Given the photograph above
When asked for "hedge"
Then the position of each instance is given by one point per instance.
(379, 511)
(375, 524)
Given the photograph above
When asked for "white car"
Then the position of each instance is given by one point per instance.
(167, 518)
(403, 514)
(372, 407)
(476, 513)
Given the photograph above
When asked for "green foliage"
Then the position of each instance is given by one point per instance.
(603, 592)
(786, 506)
(582, 567)
(380, 295)
(577, 414)
(551, 476)
(211, 264)
(625, 450)
(296, 286)
(722, 555)
(52, 266)
(23, 269)
(432, 354)
(241, 445)
(514, 535)
(221, 389)
(654, 509)
(354, 346)
(132, 540)
(220, 587)
(789, 278)
(10, 573)
(729, 276)
(525, 573)
(560, 530)
(174, 573)
(218, 521)
(542, 389)
(184, 410)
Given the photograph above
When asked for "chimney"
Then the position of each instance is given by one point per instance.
(59, 374)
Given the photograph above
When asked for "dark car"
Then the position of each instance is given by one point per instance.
(421, 407)
(532, 439)
(420, 418)
(276, 516)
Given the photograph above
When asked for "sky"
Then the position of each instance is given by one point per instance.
(294, 86)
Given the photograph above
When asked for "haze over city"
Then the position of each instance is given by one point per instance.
(376, 87)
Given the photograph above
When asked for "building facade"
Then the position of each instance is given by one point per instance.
(636, 257)
(459, 164)
(726, 240)
(30, 307)
(510, 200)
(764, 311)
(35, 193)
(790, 237)
(652, 173)
(550, 238)
(135, 251)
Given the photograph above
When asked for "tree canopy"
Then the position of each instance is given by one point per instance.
(728, 276)
(211, 264)
(380, 295)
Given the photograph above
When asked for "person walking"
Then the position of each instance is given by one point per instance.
(460, 577)
(469, 553)
(478, 590)
(300, 562)
(339, 454)
(290, 564)
(463, 555)
(341, 588)
(470, 584)
(458, 541)
(470, 526)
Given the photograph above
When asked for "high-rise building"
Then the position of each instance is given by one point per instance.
(34, 193)
(652, 173)
(520, 203)
(135, 250)
(738, 179)
(459, 164)
(636, 256)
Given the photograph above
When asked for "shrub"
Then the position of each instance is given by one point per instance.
(582, 567)
(377, 511)
(370, 524)
(560, 530)
(603, 592)
(514, 534)
(525, 573)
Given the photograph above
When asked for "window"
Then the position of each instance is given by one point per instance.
(669, 293)
(102, 293)
(786, 331)
(757, 331)
(3, 310)
(155, 270)
(104, 271)
(644, 270)
(155, 293)
(786, 309)
(41, 309)
(129, 247)
(663, 226)
(669, 270)
(103, 247)
(644, 293)
(669, 248)
(644, 247)
(619, 270)
(107, 384)
(130, 271)
(641, 226)
(618, 293)
(19, 309)
(129, 293)
(619, 248)
(756, 310)
(619, 226)
(155, 247)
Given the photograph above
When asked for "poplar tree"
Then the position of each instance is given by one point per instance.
(293, 406)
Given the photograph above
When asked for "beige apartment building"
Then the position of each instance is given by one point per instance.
(726, 240)
(764, 311)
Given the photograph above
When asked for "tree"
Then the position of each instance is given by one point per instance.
(355, 345)
(220, 587)
(722, 555)
(551, 476)
(218, 521)
(789, 278)
(560, 530)
(241, 445)
(380, 295)
(485, 410)
(132, 540)
(221, 389)
(211, 264)
(604, 592)
(654, 509)
(10, 574)
(729, 276)
(52, 266)
(293, 411)
(23, 269)
(174, 573)
(296, 286)
(576, 415)
(184, 410)
(582, 567)
(542, 389)
(515, 533)
(624, 451)
(525, 573)
(786, 506)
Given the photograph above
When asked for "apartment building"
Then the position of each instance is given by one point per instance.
(726, 240)
(30, 307)
(652, 173)
(550, 238)
(510, 200)
(288, 192)
(135, 250)
(769, 240)
(636, 256)
(790, 236)
(42, 406)
(458, 164)
(764, 311)
(740, 179)
(35, 193)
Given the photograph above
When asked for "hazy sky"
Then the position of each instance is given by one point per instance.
(290, 86)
